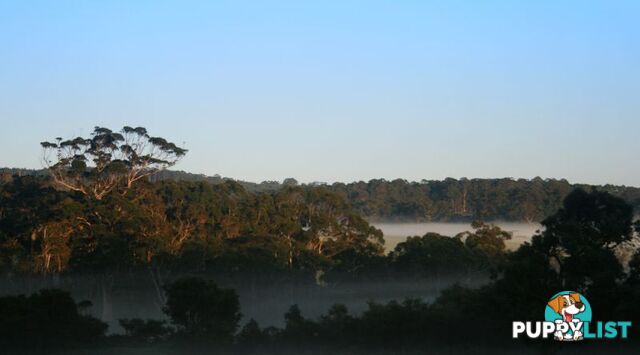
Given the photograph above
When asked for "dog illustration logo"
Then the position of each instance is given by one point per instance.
(567, 317)
(569, 310)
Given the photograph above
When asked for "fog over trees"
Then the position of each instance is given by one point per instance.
(98, 221)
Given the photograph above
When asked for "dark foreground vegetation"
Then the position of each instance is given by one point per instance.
(97, 216)
(577, 250)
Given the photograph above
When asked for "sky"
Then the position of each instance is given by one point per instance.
(334, 90)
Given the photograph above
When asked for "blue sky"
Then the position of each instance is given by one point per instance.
(334, 90)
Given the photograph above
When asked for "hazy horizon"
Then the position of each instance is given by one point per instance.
(334, 91)
(258, 181)
(398, 232)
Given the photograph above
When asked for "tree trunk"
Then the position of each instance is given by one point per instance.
(464, 201)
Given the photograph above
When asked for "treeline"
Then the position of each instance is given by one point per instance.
(467, 199)
(189, 226)
(449, 200)
(221, 228)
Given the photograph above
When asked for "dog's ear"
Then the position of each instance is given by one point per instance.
(575, 296)
(556, 304)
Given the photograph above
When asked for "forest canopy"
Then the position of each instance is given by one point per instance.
(449, 200)
(97, 211)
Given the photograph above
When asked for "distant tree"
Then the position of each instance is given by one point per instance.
(107, 160)
(487, 242)
(333, 228)
(289, 182)
(200, 309)
(431, 255)
(27, 207)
